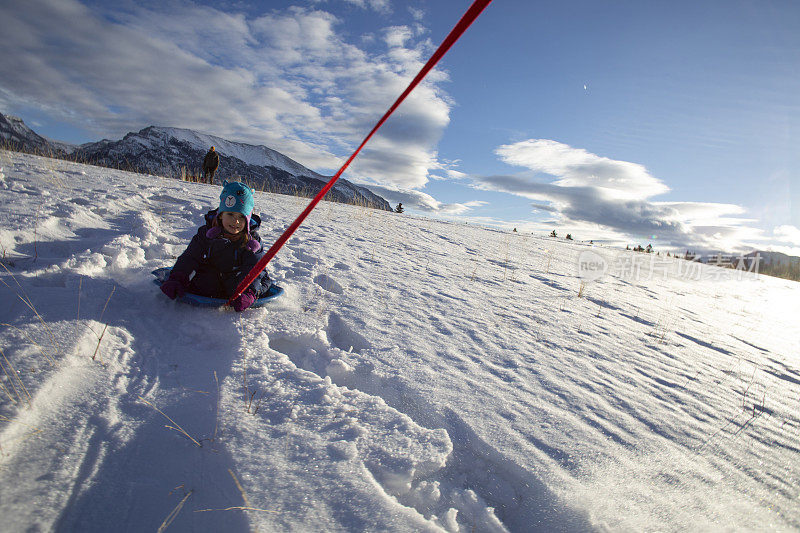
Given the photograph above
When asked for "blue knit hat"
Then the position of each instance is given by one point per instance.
(236, 198)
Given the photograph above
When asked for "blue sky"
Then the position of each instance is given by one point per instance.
(624, 122)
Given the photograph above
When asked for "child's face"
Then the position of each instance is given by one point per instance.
(232, 223)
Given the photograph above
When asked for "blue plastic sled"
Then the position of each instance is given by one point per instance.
(162, 274)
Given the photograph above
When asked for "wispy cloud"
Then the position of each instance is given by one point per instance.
(425, 202)
(788, 234)
(289, 79)
(575, 167)
(446, 170)
(381, 6)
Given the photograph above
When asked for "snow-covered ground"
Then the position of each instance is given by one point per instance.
(417, 375)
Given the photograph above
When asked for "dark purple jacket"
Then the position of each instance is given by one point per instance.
(219, 265)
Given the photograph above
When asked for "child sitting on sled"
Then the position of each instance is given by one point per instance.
(223, 252)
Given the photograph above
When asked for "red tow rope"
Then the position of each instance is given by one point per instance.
(469, 17)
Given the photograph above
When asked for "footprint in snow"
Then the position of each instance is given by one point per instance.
(329, 284)
(344, 337)
(306, 258)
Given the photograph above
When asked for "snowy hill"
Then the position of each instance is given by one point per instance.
(416, 376)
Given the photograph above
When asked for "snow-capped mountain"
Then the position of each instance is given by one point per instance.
(15, 134)
(169, 151)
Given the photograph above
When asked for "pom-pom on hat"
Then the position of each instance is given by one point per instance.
(236, 198)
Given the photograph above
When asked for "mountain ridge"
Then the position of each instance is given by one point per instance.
(18, 136)
(179, 151)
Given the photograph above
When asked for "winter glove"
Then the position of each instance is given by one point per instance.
(175, 285)
(244, 301)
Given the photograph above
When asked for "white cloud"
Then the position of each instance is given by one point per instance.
(424, 202)
(703, 212)
(610, 200)
(288, 79)
(416, 13)
(575, 167)
(381, 6)
(788, 234)
(455, 174)
(397, 36)
(445, 170)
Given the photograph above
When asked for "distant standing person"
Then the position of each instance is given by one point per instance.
(210, 165)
